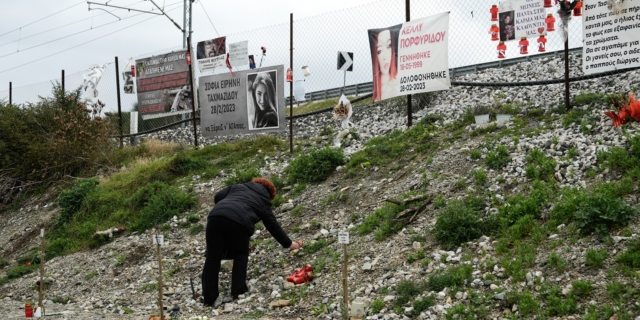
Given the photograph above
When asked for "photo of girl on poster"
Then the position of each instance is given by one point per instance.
(262, 104)
(507, 28)
(384, 59)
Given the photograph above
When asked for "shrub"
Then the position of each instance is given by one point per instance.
(480, 177)
(631, 257)
(527, 304)
(475, 154)
(376, 306)
(315, 166)
(454, 276)
(595, 258)
(422, 305)
(556, 262)
(498, 159)
(581, 289)
(71, 199)
(539, 166)
(242, 176)
(456, 224)
(381, 221)
(558, 305)
(600, 213)
(406, 289)
(53, 138)
(157, 203)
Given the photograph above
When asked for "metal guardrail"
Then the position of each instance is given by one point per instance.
(367, 87)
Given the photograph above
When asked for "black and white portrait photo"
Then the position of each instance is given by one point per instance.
(507, 26)
(177, 99)
(262, 102)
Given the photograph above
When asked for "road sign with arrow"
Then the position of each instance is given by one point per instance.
(345, 61)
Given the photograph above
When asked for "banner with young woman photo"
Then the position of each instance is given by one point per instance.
(250, 101)
(410, 58)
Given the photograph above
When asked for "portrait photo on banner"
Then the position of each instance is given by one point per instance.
(507, 26)
(262, 100)
(384, 55)
(212, 48)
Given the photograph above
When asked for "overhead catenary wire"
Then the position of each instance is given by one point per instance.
(205, 12)
(30, 23)
(73, 34)
(59, 27)
(65, 50)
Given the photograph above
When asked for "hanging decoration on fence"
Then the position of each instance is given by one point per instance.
(611, 41)
(299, 90)
(411, 57)
(523, 45)
(163, 85)
(264, 54)
(565, 9)
(343, 112)
(127, 77)
(521, 18)
(495, 32)
(494, 12)
(211, 54)
(550, 20)
(252, 62)
(249, 101)
(91, 79)
(238, 53)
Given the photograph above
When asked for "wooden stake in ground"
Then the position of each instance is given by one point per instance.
(343, 238)
(158, 240)
(40, 287)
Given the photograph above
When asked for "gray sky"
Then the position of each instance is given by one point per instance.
(321, 28)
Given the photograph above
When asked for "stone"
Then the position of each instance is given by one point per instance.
(279, 303)
(500, 296)
(226, 265)
(389, 298)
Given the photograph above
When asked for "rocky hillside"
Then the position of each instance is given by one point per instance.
(531, 218)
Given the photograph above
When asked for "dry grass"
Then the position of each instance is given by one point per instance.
(319, 105)
(155, 147)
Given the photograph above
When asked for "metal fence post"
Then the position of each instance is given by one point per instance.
(567, 101)
(119, 103)
(193, 99)
(291, 87)
(409, 117)
(63, 81)
(10, 92)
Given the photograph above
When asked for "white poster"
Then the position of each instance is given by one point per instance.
(128, 82)
(611, 36)
(133, 122)
(521, 18)
(211, 54)
(91, 79)
(238, 53)
(410, 58)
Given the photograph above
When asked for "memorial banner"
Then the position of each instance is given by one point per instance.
(611, 36)
(238, 53)
(521, 19)
(163, 85)
(249, 101)
(411, 57)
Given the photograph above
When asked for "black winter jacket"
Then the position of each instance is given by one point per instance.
(248, 204)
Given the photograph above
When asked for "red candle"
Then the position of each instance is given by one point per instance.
(502, 50)
(133, 70)
(551, 22)
(547, 4)
(524, 44)
(28, 310)
(494, 12)
(542, 43)
(495, 32)
(289, 75)
(577, 10)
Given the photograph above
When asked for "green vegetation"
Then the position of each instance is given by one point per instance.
(453, 276)
(582, 289)
(631, 257)
(385, 150)
(382, 221)
(376, 306)
(458, 223)
(324, 104)
(407, 290)
(556, 262)
(498, 159)
(315, 166)
(480, 177)
(539, 166)
(595, 258)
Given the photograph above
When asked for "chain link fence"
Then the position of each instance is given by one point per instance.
(316, 42)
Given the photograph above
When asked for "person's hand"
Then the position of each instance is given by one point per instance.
(296, 245)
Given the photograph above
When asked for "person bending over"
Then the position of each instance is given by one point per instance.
(230, 225)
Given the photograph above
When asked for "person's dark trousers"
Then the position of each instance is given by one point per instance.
(226, 239)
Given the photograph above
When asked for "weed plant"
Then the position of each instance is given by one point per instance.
(453, 276)
(315, 166)
(498, 159)
(595, 258)
(458, 223)
(631, 257)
